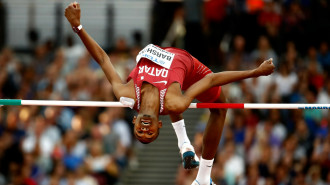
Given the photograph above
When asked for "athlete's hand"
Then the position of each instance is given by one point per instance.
(266, 68)
(72, 13)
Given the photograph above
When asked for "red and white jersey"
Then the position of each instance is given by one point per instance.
(153, 67)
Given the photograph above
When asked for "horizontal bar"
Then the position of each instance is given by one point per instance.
(285, 106)
(73, 103)
(262, 106)
(10, 102)
(192, 105)
(221, 105)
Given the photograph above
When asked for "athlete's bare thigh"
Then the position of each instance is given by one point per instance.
(173, 97)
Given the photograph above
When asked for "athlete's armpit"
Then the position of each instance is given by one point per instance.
(199, 87)
(124, 90)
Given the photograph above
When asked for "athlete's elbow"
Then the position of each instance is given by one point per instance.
(103, 59)
(211, 80)
(100, 57)
(218, 79)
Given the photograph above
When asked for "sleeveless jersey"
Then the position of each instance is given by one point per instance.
(184, 69)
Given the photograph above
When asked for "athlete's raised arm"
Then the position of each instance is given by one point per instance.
(72, 13)
(223, 78)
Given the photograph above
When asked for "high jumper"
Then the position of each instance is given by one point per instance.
(156, 85)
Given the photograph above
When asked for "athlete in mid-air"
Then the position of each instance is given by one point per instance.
(156, 85)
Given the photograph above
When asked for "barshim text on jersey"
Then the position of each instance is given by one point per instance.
(156, 55)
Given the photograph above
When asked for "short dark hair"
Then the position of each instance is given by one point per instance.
(145, 142)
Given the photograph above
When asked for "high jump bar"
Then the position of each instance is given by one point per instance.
(18, 102)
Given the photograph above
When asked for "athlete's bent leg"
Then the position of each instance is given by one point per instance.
(190, 160)
(211, 139)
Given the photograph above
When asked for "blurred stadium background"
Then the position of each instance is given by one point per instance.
(41, 58)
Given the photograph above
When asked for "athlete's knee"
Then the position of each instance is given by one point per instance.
(223, 111)
(176, 107)
(219, 112)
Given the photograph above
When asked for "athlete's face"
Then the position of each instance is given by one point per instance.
(146, 128)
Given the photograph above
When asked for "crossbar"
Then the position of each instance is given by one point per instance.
(18, 102)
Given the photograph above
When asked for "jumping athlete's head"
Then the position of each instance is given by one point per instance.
(146, 128)
(146, 124)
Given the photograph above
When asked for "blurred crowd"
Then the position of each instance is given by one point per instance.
(79, 145)
(268, 147)
(272, 147)
(62, 145)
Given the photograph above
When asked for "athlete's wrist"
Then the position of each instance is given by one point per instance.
(77, 29)
(255, 73)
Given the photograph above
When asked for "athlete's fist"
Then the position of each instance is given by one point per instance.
(266, 68)
(72, 13)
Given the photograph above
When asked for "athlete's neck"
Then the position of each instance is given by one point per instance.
(149, 100)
